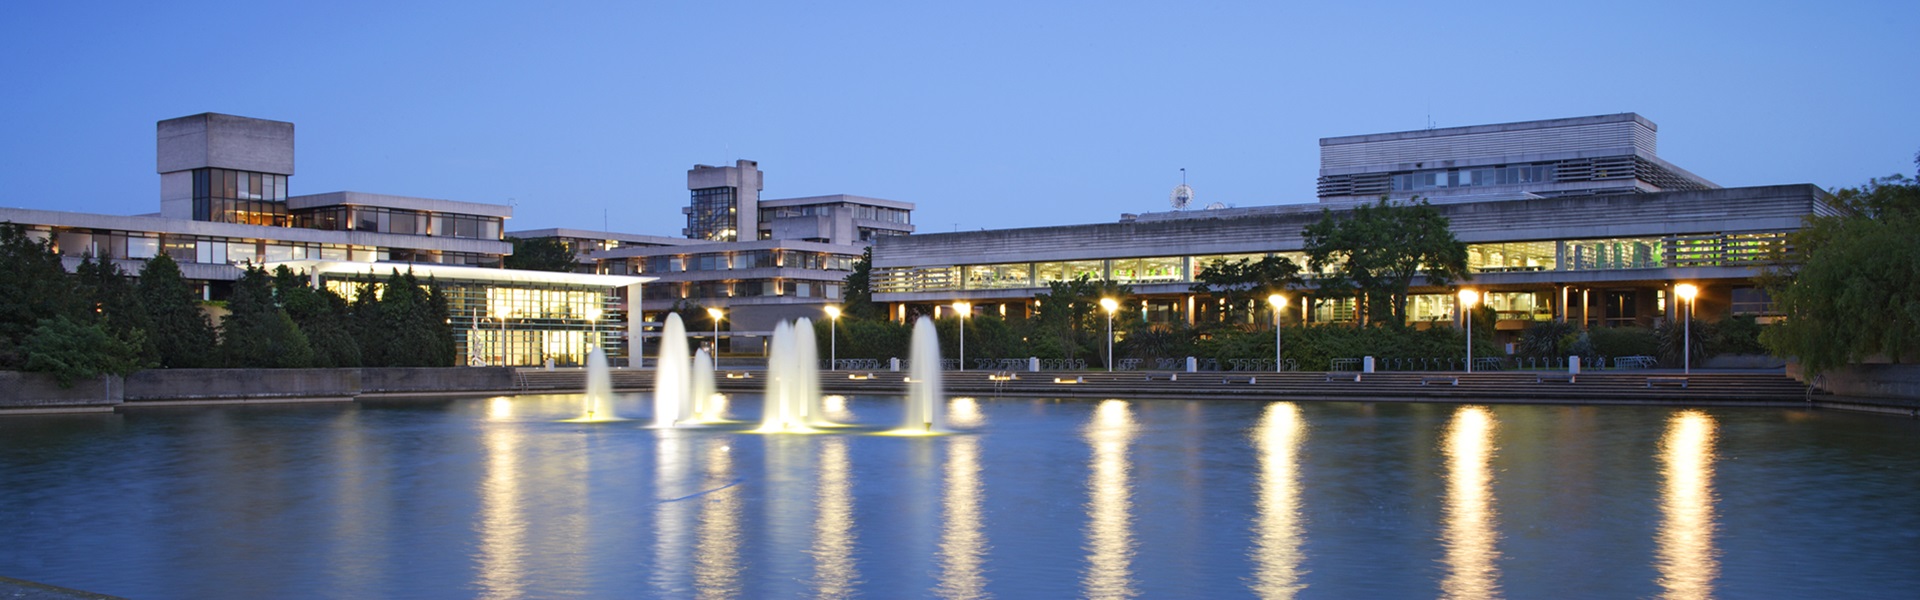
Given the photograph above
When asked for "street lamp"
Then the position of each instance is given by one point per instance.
(962, 309)
(1279, 303)
(715, 315)
(1468, 298)
(1111, 305)
(833, 337)
(1687, 292)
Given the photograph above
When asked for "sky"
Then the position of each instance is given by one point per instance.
(986, 114)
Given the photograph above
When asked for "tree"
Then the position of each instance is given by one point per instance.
(34, 286)
(321, 315)
(406, 330)
(180, 332)
(859, 289)
(259, 333)
(1848, 290)
(539, 254)
(71, 350)
(1068, 319)
(1244, 283)
(115, 304)
(1375, 251)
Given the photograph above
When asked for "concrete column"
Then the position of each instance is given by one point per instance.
(636, 355)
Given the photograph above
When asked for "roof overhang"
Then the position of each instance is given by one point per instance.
(461, 273)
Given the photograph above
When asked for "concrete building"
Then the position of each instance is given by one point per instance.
(793, 265)
(225, 205)
(1605, 154)
(1586, 249)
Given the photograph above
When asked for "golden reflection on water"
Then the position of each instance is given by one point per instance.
(965, 412)
(1110, 542)
(1686, 555)
(834, 571)
(1277, 531)
(716, 554)
(1471, 534)
(963, 544)
(672, 543)
(503, 530)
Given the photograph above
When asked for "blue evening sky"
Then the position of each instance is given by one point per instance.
(986, 114)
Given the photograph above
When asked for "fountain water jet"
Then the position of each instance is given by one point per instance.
(786, 405)
(672, 402)
(707, 404)
(925, 396)
(599, 401)
(806, 374)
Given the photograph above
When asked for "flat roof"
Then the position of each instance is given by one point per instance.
(406, 202)
(461, 273)
(584, 234)
(836, 199)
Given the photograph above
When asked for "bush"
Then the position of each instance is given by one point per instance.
(1625, 341)
(71, 351)
(1738, 334)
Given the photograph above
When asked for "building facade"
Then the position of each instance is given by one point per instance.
(1552, 250)
(225, 205)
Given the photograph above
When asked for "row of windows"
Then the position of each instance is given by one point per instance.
(751, 259)
(1509, 175)
(496, 325)
(228, 196)
(399, 221)
(232, 251)
(746, 288)
(859, 211)
(1571, 255)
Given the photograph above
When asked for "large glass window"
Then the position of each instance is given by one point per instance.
(1069, 270)
(1166, 269)
(228, 196)
(1512, 256)
(1621, 253)
(711, 216)
(987, 277)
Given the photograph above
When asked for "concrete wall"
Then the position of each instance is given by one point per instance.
(226, 142)
(39, 390)
(401, 380)
(1877, 381)
(233, 384)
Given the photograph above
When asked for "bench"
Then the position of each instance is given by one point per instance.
(1163, 377)
(859, 376)
(1440, 379)
(1246, 379)
(1545, 377)
(1679, 381)
(1002, 376)
(1067, 380)
(1343, 377)
(738, 375)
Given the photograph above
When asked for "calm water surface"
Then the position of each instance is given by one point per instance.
(1034, 498)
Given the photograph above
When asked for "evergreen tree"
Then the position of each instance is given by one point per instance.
(179, 331)
(409, 335)
(115, 304)
(539, 254)
(439, 311)
(71, 350)
(259, 333)
(859, 290)
(363, 319)
(34, 286)
(322, 316)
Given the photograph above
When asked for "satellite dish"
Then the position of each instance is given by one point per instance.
(1216, 206)
(1181, 197)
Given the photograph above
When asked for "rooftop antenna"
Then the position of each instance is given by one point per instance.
(1183, 195)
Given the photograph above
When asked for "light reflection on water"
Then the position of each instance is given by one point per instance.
(963, 545)
(1471, 536)
(497, 498)
(1110, 542)
(1277, 530)
(1686, 556)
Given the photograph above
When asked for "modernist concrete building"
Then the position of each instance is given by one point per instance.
(793, 265)
(1597, 247)
(225, 204)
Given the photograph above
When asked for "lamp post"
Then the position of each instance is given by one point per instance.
(1687, 292)
(1279, 303)
(1468, 298)
(1111, 305)
(962, 309)
(715, 315)
(833, 338)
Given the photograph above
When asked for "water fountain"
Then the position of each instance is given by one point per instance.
(599, 398)
(707, 403)
(786, 403)
(672, 402)
(806, 374)
(924, 393)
